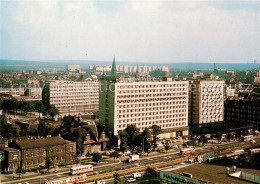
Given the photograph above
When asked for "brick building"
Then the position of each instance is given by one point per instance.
(31, 153)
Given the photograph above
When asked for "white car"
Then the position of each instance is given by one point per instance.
(253, 141)
(130, 180)
(136, 175)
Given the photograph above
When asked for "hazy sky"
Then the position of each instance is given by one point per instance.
(148, 31)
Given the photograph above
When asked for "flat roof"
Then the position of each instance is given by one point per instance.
(214, 173)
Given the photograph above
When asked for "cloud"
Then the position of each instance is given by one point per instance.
(150, 31)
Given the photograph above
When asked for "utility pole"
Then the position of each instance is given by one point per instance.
(143, 144)
(124, 172)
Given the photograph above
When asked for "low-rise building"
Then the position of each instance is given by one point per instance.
(31, 153)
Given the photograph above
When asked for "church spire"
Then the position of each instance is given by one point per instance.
(137, 75)
(113, 71)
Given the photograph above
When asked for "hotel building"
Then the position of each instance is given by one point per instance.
(71, 95)
(206, 102)
(145, 104)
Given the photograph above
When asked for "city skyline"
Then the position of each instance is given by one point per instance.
(158, 31)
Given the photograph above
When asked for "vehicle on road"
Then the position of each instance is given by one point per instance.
(247, 138)
(130, 180)
(133, 158)
(136, 175)
(187, 151)
(100, 182)
(68, 180)
(81, 169)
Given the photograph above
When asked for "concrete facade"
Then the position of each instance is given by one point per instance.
(72, 95)
(206, 102)
(143, 104)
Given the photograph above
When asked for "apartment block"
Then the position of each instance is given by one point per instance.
(72, 95)
(144, 104)
(206, 102)
(246, 111)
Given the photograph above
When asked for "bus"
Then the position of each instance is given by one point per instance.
(247, 138)
(68, 180)
(187, 151)
(81, 169)
(255, 151)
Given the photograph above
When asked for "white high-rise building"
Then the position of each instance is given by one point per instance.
(71, 95)
(144, 104)
(206, 102)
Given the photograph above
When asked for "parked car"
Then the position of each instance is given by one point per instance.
(137, 175)
(130, 180)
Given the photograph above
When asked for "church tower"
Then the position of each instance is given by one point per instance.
(113, 71)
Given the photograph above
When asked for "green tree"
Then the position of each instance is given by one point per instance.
(117, 179)
(155, 132)
(43, 129)
(115, 154)
(96, 157)
(123, 147)
(39, 107)
(9, 105)
(50, 158)
(131, 131)
(203, 139)
(51, 110)
(20, 171)
(27, 106)
(123, 140)
(79, 135)
(219, 136)
(166, 147)
(150, 173)
(145, 136)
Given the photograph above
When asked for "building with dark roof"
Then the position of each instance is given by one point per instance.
(11, 159)
(97, 138)
(31, 153)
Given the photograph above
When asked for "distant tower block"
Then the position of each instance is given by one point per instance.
(255, 61)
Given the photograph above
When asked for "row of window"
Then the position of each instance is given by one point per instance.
(158, 111)
(144, 125)
(149, 86)
(151, 121)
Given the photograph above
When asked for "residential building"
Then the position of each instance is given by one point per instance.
(72, 95)
(246, 111)
(12, 159)
(97, 138)
(257, 78)
(12, 91)
(144, 104)
(206, 102)
(31, 153)
(73, 68)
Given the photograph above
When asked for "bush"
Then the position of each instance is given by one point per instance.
(8, 172)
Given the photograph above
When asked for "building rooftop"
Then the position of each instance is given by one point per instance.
(41, 142)
(8, 149)
(215, 173)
